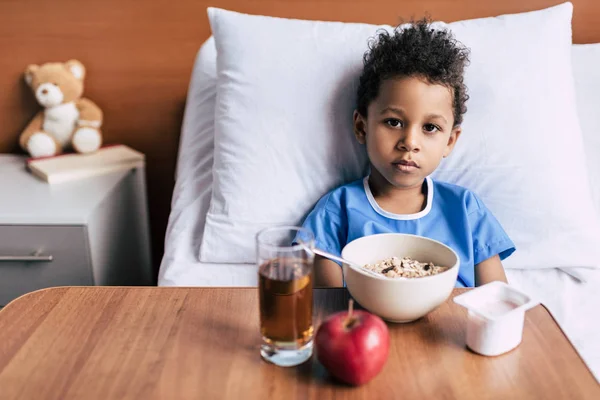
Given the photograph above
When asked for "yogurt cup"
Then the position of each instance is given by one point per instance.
(495, 318)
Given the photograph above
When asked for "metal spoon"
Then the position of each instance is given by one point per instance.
(344, 261)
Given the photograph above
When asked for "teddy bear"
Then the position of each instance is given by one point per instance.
(67, 121)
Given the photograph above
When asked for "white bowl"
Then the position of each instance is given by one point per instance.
(399, 299)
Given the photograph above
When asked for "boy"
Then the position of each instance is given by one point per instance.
(411, 101)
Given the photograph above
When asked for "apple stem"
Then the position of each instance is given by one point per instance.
(350, 308)
(350, 319)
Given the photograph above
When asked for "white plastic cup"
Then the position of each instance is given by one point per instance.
(496, 316)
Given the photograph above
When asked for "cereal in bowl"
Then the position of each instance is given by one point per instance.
(404, 268)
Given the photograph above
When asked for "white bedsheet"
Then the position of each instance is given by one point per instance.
(194, 273)
(574, 305)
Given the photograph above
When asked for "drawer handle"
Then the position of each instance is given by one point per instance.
(32, 258)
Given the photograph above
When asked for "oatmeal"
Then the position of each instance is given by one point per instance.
(405, 267)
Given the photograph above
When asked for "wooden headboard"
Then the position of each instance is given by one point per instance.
(139, 56)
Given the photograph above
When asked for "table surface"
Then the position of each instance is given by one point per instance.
(190, 343)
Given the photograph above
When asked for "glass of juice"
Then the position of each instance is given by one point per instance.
(285, 290)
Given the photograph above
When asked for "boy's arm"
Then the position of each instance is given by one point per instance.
(327, 273)
(489, 270)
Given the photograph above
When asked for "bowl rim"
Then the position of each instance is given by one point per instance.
(401, 279)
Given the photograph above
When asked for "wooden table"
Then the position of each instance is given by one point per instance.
(203, 343)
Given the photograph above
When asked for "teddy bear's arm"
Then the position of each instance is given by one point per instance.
(89, 113)
(35, 125)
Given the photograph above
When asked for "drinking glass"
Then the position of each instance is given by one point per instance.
(285, 292)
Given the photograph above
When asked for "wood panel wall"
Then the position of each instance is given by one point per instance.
(139, 57)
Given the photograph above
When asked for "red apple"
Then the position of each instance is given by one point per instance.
(353, 346)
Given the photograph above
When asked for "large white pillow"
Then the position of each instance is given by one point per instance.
(283, 130)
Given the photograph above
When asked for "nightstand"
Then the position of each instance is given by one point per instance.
(93, 231)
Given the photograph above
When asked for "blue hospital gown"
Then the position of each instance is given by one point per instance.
(453, 215)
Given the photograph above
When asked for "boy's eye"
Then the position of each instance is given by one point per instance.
(394, 123)
(430, 128)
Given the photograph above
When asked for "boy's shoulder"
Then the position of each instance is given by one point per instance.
(349, 188)
(334, 199)
(456, 194)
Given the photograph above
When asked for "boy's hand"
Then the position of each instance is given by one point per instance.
(327, 273)
(489, 270)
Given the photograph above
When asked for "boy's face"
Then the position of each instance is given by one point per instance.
(409, 129)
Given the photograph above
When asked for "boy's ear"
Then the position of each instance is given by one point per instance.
(454, 135)
(360, 127)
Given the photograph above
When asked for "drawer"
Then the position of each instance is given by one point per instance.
(70, 265)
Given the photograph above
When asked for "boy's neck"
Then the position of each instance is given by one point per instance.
(396, 200)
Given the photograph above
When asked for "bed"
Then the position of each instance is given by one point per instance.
(571, 294)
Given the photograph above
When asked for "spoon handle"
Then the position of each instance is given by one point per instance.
(331, 256)
(343, 261)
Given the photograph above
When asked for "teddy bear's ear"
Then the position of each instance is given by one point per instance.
(76, 68)
(29, 71)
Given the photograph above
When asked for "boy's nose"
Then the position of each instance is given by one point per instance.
(409, 141)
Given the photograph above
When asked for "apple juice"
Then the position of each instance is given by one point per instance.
(285, 288)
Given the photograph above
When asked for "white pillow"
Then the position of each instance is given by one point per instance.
(283, 132)
(586, 71)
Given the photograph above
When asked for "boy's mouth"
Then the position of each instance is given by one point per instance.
(405, 165)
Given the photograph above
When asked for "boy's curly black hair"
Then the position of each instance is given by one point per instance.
(415, 50)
